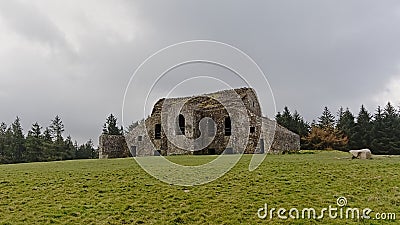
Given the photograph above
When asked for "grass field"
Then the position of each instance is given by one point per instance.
(118, 191)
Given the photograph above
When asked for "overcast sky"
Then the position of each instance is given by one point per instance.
(75, 58)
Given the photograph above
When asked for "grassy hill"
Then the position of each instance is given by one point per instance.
(118, 191)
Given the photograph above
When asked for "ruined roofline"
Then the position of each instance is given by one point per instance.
(277, 125)
(265, 117)
(240, 91)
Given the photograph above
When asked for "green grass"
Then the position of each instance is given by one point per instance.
(118, 191)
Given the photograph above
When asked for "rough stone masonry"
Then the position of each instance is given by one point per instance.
(224, 122)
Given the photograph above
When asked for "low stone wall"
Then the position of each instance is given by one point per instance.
(285, 141)
(113, 146)
(280, 141)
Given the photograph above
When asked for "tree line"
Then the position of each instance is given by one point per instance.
(379, 131)
(39, 144)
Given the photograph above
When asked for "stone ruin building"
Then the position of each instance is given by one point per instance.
(224, 122)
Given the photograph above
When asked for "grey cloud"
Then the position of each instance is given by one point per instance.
(343, 52)
(27, 21)
(314, 53)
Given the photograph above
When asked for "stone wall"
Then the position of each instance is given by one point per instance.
(140, 142)
(265, 136)
(285, 141)
(276, 139)
(113, 146)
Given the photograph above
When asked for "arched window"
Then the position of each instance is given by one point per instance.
(181, 125)
(228, 127)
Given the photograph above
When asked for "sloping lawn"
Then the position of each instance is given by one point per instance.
(119, 191)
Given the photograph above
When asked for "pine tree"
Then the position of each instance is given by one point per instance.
(47, 135)
(294, 123)
(3, 129)
(391, 126)
(9, 146)
(110, 127)
(69, 149)
(362, 130)
(340, 114)
(378, 132)
(34, 144)
(326, 120)
(37, 145)
(346, 124)
(4, 152)
(86, 151)
(17, 141)
(49, 152)
(300, 126)
(287, 117)
(390, 112)
(56, 129)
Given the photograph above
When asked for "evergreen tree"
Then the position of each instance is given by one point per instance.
(49, 152)
(294, 123)
(17, 141)
(34, 144)
(300, 126)
(390, 112)
(9, 153)
(362, 130)
(340, 114)
(47, 134)
(326, 120)
(346, 124)
(378, 134)
(37, 145)
(36, 131)
(110, 127)
(286, 119)
(69, 149)
(3, 129)
(56, 130)
(390, 130)
(4, 152)
(86, 151)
